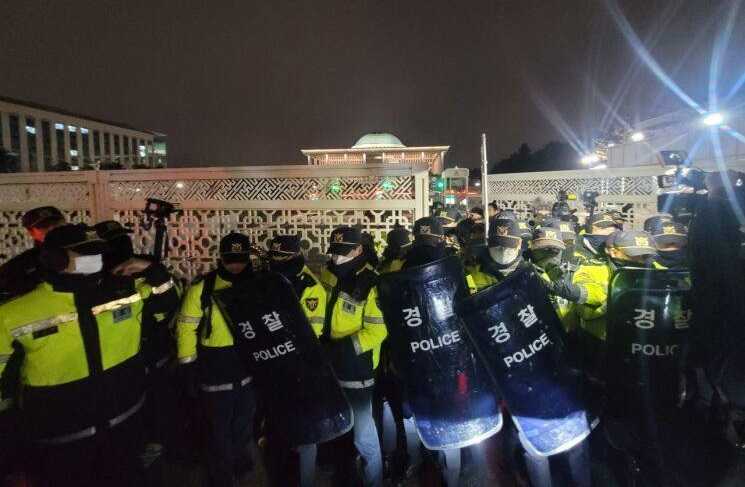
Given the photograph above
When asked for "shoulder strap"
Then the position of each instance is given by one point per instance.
(206, 301)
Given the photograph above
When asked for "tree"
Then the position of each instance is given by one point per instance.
(554, 156)
(8, 162)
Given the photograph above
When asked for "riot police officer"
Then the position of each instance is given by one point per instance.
(398, 241)
(23, 273)
(286, 258)
(656, 220)
(546, 251)
(353, 332)
(671, 240)
(503, 256)
(205, 347)
(590, 247)
(83, 373)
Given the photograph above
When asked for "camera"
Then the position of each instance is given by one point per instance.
(590, 199)
(158, 209)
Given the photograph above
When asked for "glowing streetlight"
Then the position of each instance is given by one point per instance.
(638, 136)
(589, 159)
(714, 119)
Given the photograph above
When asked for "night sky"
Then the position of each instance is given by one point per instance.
(241, 82)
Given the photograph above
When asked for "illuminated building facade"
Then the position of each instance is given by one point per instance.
(380, 149)
(42, 138)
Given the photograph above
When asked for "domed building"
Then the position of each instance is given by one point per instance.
(380, 148)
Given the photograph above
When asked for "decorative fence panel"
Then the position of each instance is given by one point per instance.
(260, 202)
(632, 191)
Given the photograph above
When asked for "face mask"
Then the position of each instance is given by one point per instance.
(673, 258)
(87, 264)
(341, 259)
(546, 258)
(596, 241)
(288, 268)
(504, 255)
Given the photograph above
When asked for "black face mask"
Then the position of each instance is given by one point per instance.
(289, 268)
(597, 242)
(673, 258)
(226, 275)
(546, 258)
(119, 250)
(347, 269)
(424, 254)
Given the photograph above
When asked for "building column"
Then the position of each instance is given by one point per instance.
(53, 142)
(110, 154)
(66, 133)
(79, 137)
(6, 130)
(39, 140)
(91, 146)
(23, 135)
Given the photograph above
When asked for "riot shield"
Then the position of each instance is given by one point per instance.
(648, 321)
(452, 399)
(519, 337)
(277, 344)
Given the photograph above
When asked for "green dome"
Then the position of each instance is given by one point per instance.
(378, 141)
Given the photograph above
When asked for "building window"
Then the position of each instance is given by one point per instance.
(85, 136)
(107, 145)
(30, 134)
(117, 146)
(46, 138)
(59, 130)
(96, 144)
(74, 149)
(15, 138)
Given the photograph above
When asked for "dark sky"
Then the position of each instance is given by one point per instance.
(241, 82)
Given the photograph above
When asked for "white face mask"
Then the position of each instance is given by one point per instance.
(87, 264)
(503, 255)
(340, 259)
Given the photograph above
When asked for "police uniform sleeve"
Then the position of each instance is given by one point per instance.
(593, 290)
(314, 303)
(6, 350)
(373, 330)
(160, 291)
(187, 324)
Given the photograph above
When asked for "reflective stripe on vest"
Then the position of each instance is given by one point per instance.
(163, 287)
(357, 384)
(116, 304)
(40, 325)
(191, 320)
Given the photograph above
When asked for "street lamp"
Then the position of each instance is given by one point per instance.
(714, 119)
(638, 136)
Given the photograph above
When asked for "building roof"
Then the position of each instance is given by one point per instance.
(378, 140)
(47, 108)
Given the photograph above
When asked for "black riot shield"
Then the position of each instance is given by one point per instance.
(518, 335)
(648, 320)
(277, 344)
(452, 399)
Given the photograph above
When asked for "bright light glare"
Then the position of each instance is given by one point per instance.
(600, 166)
(638, 136)
(589, 159)
(611, 144)
(713, 119)
(180, 185)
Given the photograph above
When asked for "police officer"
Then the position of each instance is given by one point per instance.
(353, 332)
(630, 248)
(590, 246)
(429, 246)
(83, 378)
(546, 250)
(398, 241)
(205, 347)
(23, 273)
(158, 349)
(503, 256)
(287, 259)
(671, 240)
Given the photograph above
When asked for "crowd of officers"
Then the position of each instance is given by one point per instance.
(93, 338)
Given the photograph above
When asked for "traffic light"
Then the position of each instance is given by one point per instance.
(439, 184)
